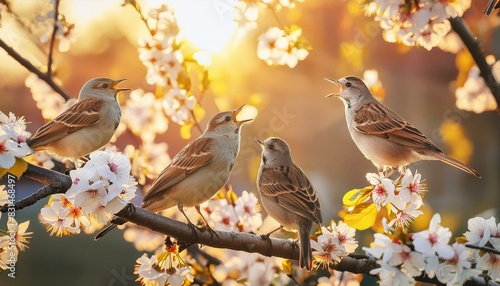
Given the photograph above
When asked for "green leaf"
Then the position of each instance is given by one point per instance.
(362, 217)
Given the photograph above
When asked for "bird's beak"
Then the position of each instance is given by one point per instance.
(337, 83)
(235, 114)
(260, 142)
(115, 83)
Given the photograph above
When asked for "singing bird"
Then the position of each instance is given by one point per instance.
(85, 126)
(287, 195)
(198, 171)
(384, 137)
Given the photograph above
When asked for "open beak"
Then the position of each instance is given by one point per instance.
(115, 83)
(260, 142)
(337, 83)
(235, 114)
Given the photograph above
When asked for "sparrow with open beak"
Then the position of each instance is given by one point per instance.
(198, 171)
(381, 135)
(85, 126)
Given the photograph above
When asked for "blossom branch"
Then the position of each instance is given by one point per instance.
(484, 248)
(29, 66)
(473, 45)
(54, 182)
(53, 37)
(235, 240)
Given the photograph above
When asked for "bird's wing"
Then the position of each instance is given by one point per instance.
(376, 119)
(289, 187)
(82, 114)
(190, 159)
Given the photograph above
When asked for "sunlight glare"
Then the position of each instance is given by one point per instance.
(208, 25)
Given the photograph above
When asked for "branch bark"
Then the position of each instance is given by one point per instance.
(473, 45)
(29, 66)
(54, 183)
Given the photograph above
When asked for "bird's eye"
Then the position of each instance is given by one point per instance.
(105, 85)
(348, 84)
(227, 118)
(271, 147)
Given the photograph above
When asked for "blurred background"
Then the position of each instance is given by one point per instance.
(418, 84)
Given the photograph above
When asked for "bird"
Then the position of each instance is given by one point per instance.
(287, 195)
(85, 126)
(384, 137)
(492, 5)
(197, 172)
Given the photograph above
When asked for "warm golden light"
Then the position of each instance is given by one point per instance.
(208, 25)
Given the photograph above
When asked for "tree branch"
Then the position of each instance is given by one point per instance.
(55, 183)
(29, 66)
(484, 248)
(235, 240)
(53, 37)
(59, 183)
(473, 45)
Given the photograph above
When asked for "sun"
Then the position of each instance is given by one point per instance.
(208, 25)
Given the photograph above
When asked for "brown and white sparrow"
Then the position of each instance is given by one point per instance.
(384, 137)
(287, 195)
(85, 126)
(198, 171)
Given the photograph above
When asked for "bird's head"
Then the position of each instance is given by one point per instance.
(226, 122)
(102, 88)
(274, 149)
(352, 90)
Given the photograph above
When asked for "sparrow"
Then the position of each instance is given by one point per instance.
(287, 195)
(383, 136)
(198, 171)
(85, 126)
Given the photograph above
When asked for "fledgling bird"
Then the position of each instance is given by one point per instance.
(287, 195)
(384, 137)
(198, 171)
(85, 126)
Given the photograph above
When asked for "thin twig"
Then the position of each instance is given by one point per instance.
(53, 38)
(29, 66)
(473, 45)
(484, 248)
(196, 123)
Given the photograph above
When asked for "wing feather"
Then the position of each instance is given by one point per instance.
(189, 160)
(376, 119)
(82, 114)
(289, 187)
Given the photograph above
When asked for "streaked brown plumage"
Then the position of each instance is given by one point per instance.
(383, 136)
(198, 171)
(287, 195)
(85, 126)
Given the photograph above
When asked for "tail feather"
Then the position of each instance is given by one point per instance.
(114, 223)
(305, 259)
(448, 160)
(104, 231)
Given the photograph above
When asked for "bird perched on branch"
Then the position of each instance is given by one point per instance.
(384, 137)
(287, 195)
(85, 126)
(198, 171)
